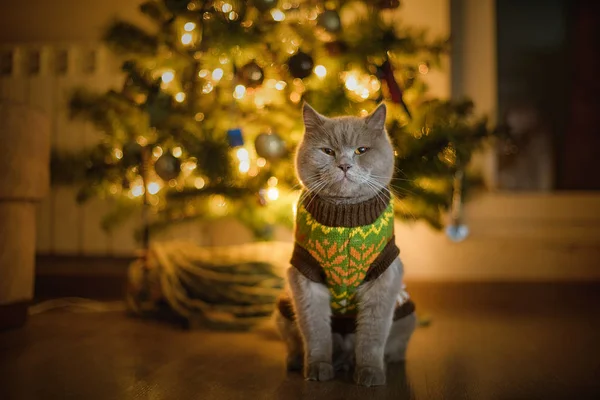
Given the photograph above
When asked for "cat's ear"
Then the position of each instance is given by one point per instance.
(312, 119)
(376, 120)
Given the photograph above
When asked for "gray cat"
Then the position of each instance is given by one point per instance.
(346, 305)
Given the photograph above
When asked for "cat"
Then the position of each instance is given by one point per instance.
(345, 304)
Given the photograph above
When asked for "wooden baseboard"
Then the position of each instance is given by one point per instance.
(13, 315)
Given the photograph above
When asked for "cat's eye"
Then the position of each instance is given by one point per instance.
(328, 151)
(361, 150)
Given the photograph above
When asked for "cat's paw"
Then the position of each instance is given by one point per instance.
(319, 371)
(369, 376)
(294, 362)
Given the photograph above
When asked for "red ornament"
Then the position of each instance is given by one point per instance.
(386, 73)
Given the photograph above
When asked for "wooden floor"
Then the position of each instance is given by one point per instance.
(484, 342)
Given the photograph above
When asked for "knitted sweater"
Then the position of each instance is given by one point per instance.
(343, 246)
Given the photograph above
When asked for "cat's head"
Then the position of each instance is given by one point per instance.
(346, 158)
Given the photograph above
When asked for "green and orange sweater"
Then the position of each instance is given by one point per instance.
(343, 246)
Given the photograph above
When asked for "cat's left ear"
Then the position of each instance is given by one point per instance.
(376, 120)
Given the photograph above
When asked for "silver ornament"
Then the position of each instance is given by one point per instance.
(457, 231)
(270, 146)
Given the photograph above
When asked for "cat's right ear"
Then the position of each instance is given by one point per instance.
(312, 119)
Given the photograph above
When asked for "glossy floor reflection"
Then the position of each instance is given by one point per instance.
(493, 342)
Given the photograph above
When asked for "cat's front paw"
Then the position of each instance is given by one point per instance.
(369, 376)
(319, 371)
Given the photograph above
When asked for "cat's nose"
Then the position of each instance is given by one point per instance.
(344, 167)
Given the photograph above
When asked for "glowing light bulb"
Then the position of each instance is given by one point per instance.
(364, 93)
(244, 166)
(272, 181)
(199, 117)
(423, 68)
(203, 73)
(277, 14)
(157, 151)
(207, 88)
(295, 97)
(273, 193)
(180, 97)
(226, 7)
(189, 26)
(187, 38)
(217, 74)
(168, 76)
(199, 183)
(233, 16)
(261, 162)
(118, 153)
(280, 85)
(351, 83)
(153, 187)
(320, 71)
(137, 190)
(242, 154)
(177, 152)
(239, 92)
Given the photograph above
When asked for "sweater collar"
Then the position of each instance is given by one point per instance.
(347, 215)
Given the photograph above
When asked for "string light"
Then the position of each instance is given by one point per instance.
(351, 82)
(180, 97)
(203, 73)
(118, 153)
(153, 187)
(272, 193)
(199, 117)
(137, 190)
(217, 74)
(320, 71)
(157, 151)
(261, 162)
(207, 88)
(239, 92)
(177, 152)
(199, 183)
(272, 181)
(277, 14)
(295, 97)
(233, 16)
(226, 7)
(168, 76)
(423, 68)
(187, 38)
(244, 166)
(189, 26)
(280, 85)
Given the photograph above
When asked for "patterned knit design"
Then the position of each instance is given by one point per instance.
(344, 254)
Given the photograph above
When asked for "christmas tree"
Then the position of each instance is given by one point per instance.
(209, 113)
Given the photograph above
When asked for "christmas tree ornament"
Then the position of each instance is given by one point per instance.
(132, 154)
(330, 21)
(251, 75)
(386, 73)
(300, 65)
(388, 4)
(265, 5)
(235, 137)
(456, 230)
(167, 167)
(270, 146)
